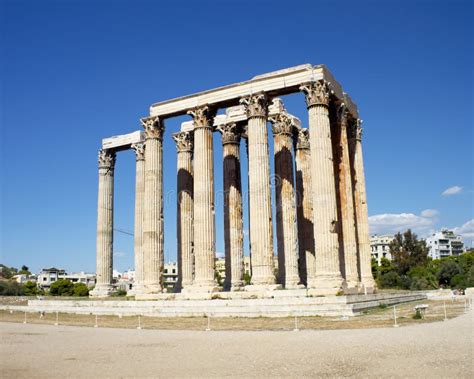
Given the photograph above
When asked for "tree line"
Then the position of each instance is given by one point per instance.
(411, 268)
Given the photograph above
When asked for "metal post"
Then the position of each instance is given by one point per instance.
(57, 319)
(96, 324)
(139, 323)
(296, 325)
(395, 325)
(445, 315)
(24, 321)
(208, 323)
(465, 306)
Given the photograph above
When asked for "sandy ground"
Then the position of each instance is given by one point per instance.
(438, 349)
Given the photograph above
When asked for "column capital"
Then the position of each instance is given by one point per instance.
(255, 105)
(302, 139)
(281, 124)
(355, 130)
(139, 148)
(343, 115)
(203, 116)
(107, 159)
(231, 133)
(184, 141)
(154, 127)
(317, 93)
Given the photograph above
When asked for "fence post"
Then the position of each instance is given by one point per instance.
(24, 321)
(139, 323)
(57, 319)
(96, 325)
(445, 314)
(395, 325)
(296, 324)
(208, 323)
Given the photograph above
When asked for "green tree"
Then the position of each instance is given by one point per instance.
(374, 266)
(408, 252)
(31, 289)
(80, 289)
(10, 288)
(24, 270)
(447, 270)
(247, 278)
(62, 287)
(7, 272)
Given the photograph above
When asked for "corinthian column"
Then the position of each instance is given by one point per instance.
(233, 222)
(328, 279)
(105, 225)
(304, 196)
(261, 233)
(351, 274)
(153, 205)
(361, 212)
(184, 145)
(138, 230)
(285, 201)
(204, 222)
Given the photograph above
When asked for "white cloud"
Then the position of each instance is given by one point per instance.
(220, 255)
(391, 223)
(119, 254)
(466, 230)
(429, 213)
(454, 190)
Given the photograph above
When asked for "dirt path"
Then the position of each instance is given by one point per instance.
(439, 349)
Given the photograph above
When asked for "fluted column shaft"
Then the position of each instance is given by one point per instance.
(184, 145)
(307, 259)
(153, 241)
(351, 274)
(105, 225)
(328, 276)
(361, 211)
(138, 226)
(204, 222)
(285, 202)
(261, 236)
(233, 221)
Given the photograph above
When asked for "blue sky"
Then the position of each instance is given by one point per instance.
(73, 72)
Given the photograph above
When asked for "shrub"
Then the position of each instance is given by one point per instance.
(62, 287)
(31, 289)
(80, 289)
(417, 315)
(10, 288)
(389, 280)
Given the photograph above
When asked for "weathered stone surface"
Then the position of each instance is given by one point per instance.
(105, 224)
(233, 221)
(328, 276)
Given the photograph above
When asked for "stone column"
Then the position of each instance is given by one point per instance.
(204, 221)
(105, 225)
(304, 196)
(328, 279)
(361, 212)
(138, 230)
(261, 235)
(351, 274)
(153, 241)
(285, 201)
(233, 221)
(184, 145)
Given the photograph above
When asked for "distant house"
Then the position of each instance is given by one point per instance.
(48, 276)
(380, 247)
(444, 244)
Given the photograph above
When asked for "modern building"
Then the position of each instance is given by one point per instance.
(48, 276)
(170, 275)
(380, 247)
(444, 244)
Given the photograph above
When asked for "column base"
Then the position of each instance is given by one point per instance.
(325, 285)
(152, 289)
(262, 287)
(368, 286)
(102, 291)
(294, 286)
(351, 287)
(137, 289)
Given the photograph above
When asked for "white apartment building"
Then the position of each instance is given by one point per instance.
(444, 244)
(48, 276)
(380, 247)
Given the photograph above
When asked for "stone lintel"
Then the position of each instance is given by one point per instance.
(277, 83)
(124, 141)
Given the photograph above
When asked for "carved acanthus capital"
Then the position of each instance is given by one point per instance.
(139, 148)
(230, 133)
(203, 116)
(317, 93)
(154, 127)
(255, 105)
(355, 130)
(343, 116)
(107, 160)
(302, 139)
(184, 141)
(281, 124)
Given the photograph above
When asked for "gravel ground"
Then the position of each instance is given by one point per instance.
(432, 350)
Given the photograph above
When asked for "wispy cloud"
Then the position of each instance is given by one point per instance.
(429, 213)
(466, 230)
(391, 223)
(454, 190)
(119, 254)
